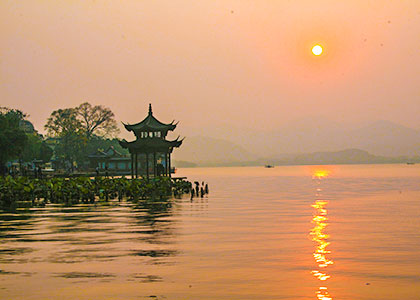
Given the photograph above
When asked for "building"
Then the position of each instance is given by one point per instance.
(150, 152)
(111, 160)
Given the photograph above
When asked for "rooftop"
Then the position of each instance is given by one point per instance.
(150, 123)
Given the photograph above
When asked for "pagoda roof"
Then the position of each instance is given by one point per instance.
(150, 123)
(151, 143)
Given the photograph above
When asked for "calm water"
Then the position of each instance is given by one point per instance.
(332, 232)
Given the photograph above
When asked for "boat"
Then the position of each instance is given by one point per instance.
(410, 163)
(269, 166)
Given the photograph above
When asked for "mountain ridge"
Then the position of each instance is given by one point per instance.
(382, 139)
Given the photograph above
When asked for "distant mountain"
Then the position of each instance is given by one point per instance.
(385, 138)
(348, 156)
(309, 140)
(183, 164)
(322, 135)
(209, 151)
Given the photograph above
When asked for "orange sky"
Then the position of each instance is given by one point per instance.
(214, 63)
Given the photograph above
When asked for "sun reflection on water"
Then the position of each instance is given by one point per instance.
(318, 235)
(320, 174)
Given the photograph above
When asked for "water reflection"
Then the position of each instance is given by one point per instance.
(103, 236)
(318, 235)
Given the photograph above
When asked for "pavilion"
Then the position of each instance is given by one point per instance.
(150, 152)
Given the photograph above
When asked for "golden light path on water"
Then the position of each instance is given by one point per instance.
(318, 235)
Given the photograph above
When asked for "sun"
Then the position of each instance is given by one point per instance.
(317, 50)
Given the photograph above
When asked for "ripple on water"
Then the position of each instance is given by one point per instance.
(74, 275)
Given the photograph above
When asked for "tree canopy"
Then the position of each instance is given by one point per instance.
(76, 128)
(98, 120)
(64, 125)
(12, 137)
(62, 122)
(36, 148)
(84, 120)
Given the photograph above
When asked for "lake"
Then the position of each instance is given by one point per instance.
(292, 232)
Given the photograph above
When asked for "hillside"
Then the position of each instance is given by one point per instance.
(382, 138)
(348, 156)
(307, 141)
(209, 151)
(385, 138)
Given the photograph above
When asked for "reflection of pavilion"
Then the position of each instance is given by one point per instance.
(150, 152)
(319, 236)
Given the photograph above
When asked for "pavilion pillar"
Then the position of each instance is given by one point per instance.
(169, 164)
(132, 165)
(147, 165)
(166, 164)
(154, 165)
(136, 165)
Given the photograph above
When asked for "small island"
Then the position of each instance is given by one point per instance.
(26, 184)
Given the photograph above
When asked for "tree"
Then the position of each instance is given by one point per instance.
(78, 129)
(36, 148)
(96, 120)
(62, 122)
(12, 137)
(64, 125)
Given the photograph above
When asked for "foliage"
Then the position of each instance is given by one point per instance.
(29, 192)
(80, 131)
(64, 125)
(62, 122)
(12, 137)
(96, 120)
(36, 148)
(71, 148)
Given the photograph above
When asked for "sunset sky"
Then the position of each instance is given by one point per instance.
(214, 63)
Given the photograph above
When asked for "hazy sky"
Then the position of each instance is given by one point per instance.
(213, 63)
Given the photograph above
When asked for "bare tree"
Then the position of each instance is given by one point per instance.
(98, 120)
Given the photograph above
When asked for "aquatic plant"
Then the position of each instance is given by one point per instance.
(30, 192)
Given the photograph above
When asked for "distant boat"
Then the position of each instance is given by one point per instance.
(410, 163)
(269, 166)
